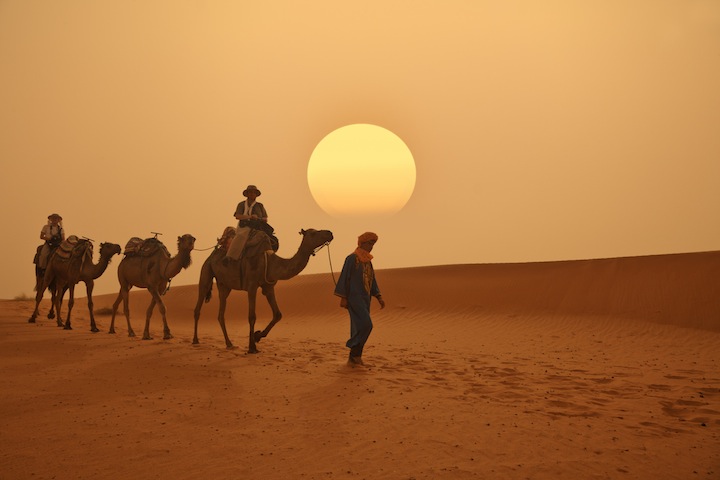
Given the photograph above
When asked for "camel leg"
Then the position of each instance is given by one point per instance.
(58, 296)
(38, 299)
(166, 329)
(223, 293)
(156, 299)
(71, 303)
(148, 314)
(51, 313)
(204, 288)
(252, 299)
(126, 308)
(269, 292)
(196, 313)
(123, 296)
(42, 285)
(114, 312)
(89, 288)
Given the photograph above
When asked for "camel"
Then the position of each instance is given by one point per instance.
(154, 273)
(64, 273)
(263, 270)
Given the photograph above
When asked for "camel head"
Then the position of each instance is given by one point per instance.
(108, 250)
(313, 239)
(186, 243)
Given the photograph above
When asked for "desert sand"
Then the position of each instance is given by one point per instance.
(594, 369)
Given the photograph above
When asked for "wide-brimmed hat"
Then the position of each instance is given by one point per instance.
(251, 188)
(54, 215)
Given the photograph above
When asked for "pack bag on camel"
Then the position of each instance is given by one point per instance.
(264, 227)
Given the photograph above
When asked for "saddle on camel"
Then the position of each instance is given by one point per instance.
(71, 247)
(261, 239)
(137, 247)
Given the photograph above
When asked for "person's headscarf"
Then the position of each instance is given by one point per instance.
(363, 255)
(367, 237)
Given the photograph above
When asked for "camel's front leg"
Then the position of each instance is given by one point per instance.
(71, 303)
(123, 296)
(51, 313)
(223, 293)
(148, 314)
(89, 288)
(269, 292)
(252, 299)
(58, 299)
(166, 329)
(196, 313)
(114, 311)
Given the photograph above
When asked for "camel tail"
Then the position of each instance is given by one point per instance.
(207, 278)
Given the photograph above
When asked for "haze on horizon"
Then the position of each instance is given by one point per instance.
(540, 130)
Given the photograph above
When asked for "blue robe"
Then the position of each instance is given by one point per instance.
(357, 284)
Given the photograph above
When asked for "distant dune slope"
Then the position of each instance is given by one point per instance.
(682, 290)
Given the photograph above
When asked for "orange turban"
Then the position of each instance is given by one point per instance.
(367, 237)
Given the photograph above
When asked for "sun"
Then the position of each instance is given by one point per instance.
(360, 170)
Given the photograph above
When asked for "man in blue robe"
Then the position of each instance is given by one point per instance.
(356, 287)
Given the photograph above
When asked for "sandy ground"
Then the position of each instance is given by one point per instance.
(597, 369)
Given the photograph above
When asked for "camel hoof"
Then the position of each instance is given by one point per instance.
(51, 315)
(67, 327)
(258, 335)
(131, 334)
(31, 320)
(167, 336)
(111, 331)
(230, 347)
(60, 324)
(147, 337)
(195, 341)
(94, 329)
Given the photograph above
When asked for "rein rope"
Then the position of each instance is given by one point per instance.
(205, 249)
(269, 282)
(327, 244)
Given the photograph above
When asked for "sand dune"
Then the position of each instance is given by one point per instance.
(581, 369)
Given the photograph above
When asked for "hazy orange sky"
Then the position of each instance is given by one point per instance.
(540, 130)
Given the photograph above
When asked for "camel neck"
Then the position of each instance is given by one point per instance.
(285, 268)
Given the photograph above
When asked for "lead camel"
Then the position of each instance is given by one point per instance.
(252, 272)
